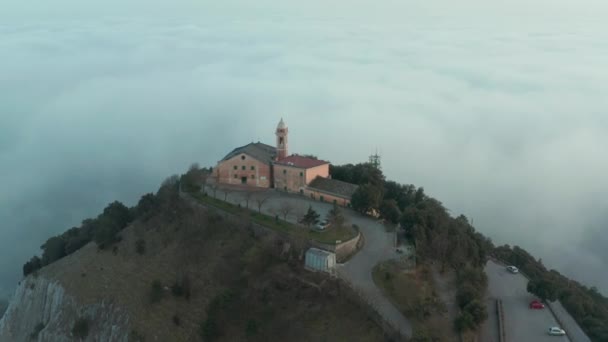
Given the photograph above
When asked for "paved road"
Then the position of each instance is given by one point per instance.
(357, 271)
(521, 323)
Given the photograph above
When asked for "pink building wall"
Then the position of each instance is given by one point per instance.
(257, 173)
(289, 178)
(319, 171)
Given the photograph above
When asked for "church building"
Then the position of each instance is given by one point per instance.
(265, 166)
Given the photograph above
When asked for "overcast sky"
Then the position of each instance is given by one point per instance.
(498, 110)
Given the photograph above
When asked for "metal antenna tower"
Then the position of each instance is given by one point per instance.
(376, 160)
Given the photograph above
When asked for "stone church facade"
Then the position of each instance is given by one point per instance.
(264, 166)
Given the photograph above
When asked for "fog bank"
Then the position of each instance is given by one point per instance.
(502, 119)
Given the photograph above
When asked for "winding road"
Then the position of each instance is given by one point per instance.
(357, 271)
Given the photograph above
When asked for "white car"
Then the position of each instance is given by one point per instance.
(555, 331)
(512, 269)
(322, 225)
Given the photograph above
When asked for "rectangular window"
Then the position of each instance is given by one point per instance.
(284, 172)
(236, 167)
(244, 167)
(301, 174)
(252, 167)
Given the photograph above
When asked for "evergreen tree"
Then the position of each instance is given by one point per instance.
(335, 216)
(311, 217)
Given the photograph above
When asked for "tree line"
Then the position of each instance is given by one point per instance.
(453, 242)
(437, 236)
(104, 229)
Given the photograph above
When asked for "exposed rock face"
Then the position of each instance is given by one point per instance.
(42, 301)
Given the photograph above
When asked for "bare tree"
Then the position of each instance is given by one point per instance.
(226, 192)
(247, 197)
(300, 210)
(204, 177)
(441, 245)
(261, 199)
(214, 189)
(194, 167)
(285, 209)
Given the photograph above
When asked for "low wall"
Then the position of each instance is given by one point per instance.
(567, 322)
(502, 335)
(343, 250)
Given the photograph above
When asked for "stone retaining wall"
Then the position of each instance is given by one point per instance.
(343, 250)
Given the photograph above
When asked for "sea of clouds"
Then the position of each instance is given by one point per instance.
(503, 118)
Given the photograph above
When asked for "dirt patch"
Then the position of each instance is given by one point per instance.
(414, 293)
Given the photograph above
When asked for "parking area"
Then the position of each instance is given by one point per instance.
(522, 324)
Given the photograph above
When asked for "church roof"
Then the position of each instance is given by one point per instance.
(262, 152)
(333, 186)
(301, 162)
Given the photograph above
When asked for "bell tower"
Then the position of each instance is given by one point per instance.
(282, 140)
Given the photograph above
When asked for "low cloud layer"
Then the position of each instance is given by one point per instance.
(504, 123)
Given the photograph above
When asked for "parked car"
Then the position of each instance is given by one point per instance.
(555, 331)
(536, 304)
(512, 269)
(322, 225)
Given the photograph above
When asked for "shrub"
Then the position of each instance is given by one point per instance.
(252, 328)
(140, 246)
(156, 292)
(182, 287)
(135, 336)
(53, 249)
(81, 328)
(209, 329)
(31, 266)
(465, 295)
(477, 311)
(464, 322)
(177, 290)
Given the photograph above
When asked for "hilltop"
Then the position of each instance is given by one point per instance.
(186, 265)
(183, 273)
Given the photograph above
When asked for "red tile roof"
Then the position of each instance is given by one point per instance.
(301, 162)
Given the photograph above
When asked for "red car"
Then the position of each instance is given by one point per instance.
(536, 304)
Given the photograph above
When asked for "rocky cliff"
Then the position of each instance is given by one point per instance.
(185, 273)
(41, 310)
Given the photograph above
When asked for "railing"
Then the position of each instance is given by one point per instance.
(502, 335)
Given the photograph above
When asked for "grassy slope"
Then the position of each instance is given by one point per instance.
(414, 294)
(328, 237)
(217, 255)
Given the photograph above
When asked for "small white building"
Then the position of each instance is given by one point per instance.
(320, 260)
